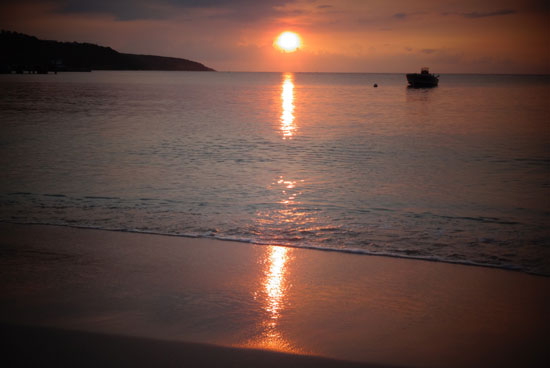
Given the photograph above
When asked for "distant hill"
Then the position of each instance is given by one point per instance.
(20, 52)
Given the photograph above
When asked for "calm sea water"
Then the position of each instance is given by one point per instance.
(457, 173)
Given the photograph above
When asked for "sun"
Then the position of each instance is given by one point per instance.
(288, 42)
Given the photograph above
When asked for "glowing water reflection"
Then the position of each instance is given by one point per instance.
(275, 288)
(274, 283)
(287, 116)
(288, 221)
(278, 223)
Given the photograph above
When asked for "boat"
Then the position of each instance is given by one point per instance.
(423, 79)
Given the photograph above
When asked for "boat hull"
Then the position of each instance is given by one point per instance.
(422, 80)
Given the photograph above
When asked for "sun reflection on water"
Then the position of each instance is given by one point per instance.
(274, 289)
(287, 116)
(274, 281)
(288, 221)
(274, 285)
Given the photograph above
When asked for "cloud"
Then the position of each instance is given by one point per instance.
(126, 10)
(488, 14)
(428, 51)
(443, 57)
(475, 14)
(400, 15)
(121, 9)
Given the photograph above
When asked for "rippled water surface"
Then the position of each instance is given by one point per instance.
(458, 173)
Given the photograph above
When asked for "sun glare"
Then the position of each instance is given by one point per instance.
(288, 42)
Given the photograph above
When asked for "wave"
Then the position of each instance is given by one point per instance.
(356, 251)
(487, 220)
(100, 197)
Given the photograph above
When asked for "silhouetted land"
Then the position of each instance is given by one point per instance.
(22, 53)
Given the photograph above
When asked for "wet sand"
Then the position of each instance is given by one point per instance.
(118, 298)
(35, 346)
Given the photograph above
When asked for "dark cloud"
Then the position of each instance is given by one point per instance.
(324, 6)
(162, 9)
(121, 9)
(400, 15)
(488, 14)
(475, 14)
(229, 4)
(428, 51)
(541, 6)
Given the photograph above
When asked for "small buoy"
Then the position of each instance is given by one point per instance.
(375, 85)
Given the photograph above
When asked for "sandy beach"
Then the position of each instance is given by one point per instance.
(95, 297)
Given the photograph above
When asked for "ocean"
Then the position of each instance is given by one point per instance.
(458, 173)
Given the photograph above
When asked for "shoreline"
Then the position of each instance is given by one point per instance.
(356, 251)
(372, 310)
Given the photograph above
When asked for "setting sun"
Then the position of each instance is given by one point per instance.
(288, 42)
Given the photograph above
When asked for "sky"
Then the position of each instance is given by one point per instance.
(377, 36)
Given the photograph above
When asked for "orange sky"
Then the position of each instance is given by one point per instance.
(464, 36)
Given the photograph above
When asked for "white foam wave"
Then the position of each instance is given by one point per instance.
(356, 251)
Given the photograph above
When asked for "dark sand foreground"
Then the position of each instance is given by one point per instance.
(79, 297)
(39, 346)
